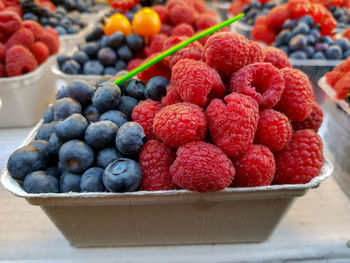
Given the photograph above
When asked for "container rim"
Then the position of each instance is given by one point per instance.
(63, 75)
(315, 62)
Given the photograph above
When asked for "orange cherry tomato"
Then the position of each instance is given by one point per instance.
(117, 22)
(146, 22)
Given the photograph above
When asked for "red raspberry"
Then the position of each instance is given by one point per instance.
(144, 114)
(198, 5)
(162, 12)
(174, 40)
(276, 57)
(262, 33)
(48, 5)
(202, 167)
(2, 71)
(172, 96)
(333, 77)
(155, 161)
(16, 9)
(297, 96)
(2, 5)
(236, 8)
(22, 37)
(342, 86)
(232, 125)
(312, 122)
(134, 63)
(262, 81)
(3, 37)
(261, 21)
(183, 29)
(227, 52)
(274, 130)
(173, 3)
(196, 82)
(187, 52)
(301, 160)
(35, 27)
(211, 12)
(276, 17)
(166, 29)
(40, 52)
(182, 14)
(2, 52)
(157, 43)
(51, 42)
(205, 21)
(52, 31)
(256, 167)
(180, 123)
(158, 69)
(19, 61)
(10, 22)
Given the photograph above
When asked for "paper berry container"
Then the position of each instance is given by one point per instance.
(178, 217)
(24, 99)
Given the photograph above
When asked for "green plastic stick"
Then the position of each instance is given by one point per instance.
(175, 48)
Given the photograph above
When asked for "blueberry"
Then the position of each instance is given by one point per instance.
(89, 37)
(55, 144)
(334, 52)
(156, 88)
(76, 156)
(91, 49)
(318, 55)
(71, 67)
(91, 180)
(322, 47)
(301, 28)
(25, 160)
(135, 42)
(101, 134)
(61, 30)
(298, 55)
(42, 145)
(326, 39)
(81, 57)
(124, 53)
(289, 24)
(93, 67)
(53, 21)
(116, 40)
(123, 175)
(130, 16)
(61, 59)
(40, 182)
(97, 33)
(45, 130)
(307, 19)
(30, 16)
(309, 50)
(72, 127)
(103, 42)
(311, 40)
(120, 65)
(70, 182)
(283, 37)
(104, 79)
(315, 33)
(62, 93)
(127, 104)
(48, 115)
(110, 71)
(106, 156)
(53, 171)
(346, 54)
(74, 29)
(81, 92)
(130, 138)
(135, 88)
(344, 43)
(115, 116)
(65, 107)
(285, 49)
(298, 42)
(106, 97)
(107, 56)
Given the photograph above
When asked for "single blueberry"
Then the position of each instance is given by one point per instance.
(81, 92)
(91, 180)
(311, 40)
(48, 114)
(283, 37)
(61, 59)
(346, 54)
(62, 93)
(106, 97)
(74, 29)
(81, 57)
(65, 107)
(107, 56)
(61, 31)
(127, 104)
(130, 16)
(318, 55)
(322, 47)
(301, 28)
(309, 50)
(326, 39)
(306, 19)
(156, 88)
(30, 16)
(72, 127)
(110, 71)
(71, 67)
(101, 134)
(91, 49)
(334, 52)
(116, 40)
(114, 116)
(55, 144)
(97, 33)
(53, 171)
(289, 24)
(298, 55)
(102, 80)
(298, 42)
(103, 42)
(45, 130)
(93, 67)
(315, 33)
(106, 156)
(120, 65)
(130, 138)
(124, 53)
(344, 43)
(40, 182)
(42, 145)
(70, 182)
(91, 113)
(135, 88)
(123, 175)
(135, 42)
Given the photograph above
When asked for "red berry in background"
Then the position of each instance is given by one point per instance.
(180, 123)
(162, 12)
(52, 31)
(2, 71)
(172, 96)
(276, 17)
(261, 33)
(202, 167)
(2, 52)
(134, 63)
(35, 27)
(157, 43)
(313, 121)
(40, 52)
(183, 29)
(333, 77)
(205, 21)
(10, 22)
(166, 29)
(158, 69)
(342, 86)
(155, 160)
(276, 57)
(186, 52)
(16, 9)
(256, 167)
(51, 42)
(274, 130)
(19, 61)
(182, 14)
(301, 160)
(22, 37)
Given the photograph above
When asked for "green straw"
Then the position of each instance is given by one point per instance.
(175, 48)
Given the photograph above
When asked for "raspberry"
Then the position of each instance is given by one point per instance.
(262, 33)
(197, 5)
(52, 31)
(227, 52)
(181, 14)
(172, 96)
(144, 114)
(236, 8)
(301, 160)
(174, 40)
(22, 37)
(158, 69)
(35, 27)
(51, 42)
(157, 43)
(162, 12)
(256, 167)
(205, 21)
(274, 130)
(196, 82)
(16, 9)
(166, 29)
(19, 61)
(180, 123)
(187, 52)
(276, 17)
(344, 66)
(261, 21)
(342, 86)
(2, 52)
(297, 96)
(40, 52)
(232, 125)
(2, 5)
(211, 12)
(183, 29)
(262, 81)
(276, 57)
(173, 3)
(3, 38)
(2, 71)
(134, 63)
(202, 167)
(10, 22)
(333, 77)
(313, 121)
(155, 161)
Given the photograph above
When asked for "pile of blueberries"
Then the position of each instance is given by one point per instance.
(342, 15)
(255, 10)
(87, 142)
(103, 55)
(301, 39)
(83, 6)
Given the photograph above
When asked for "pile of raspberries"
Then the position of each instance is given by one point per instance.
(236, 116)
(24, 45)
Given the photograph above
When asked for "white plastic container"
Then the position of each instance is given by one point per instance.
(70, 41)
(24, 99)
(143, 218)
